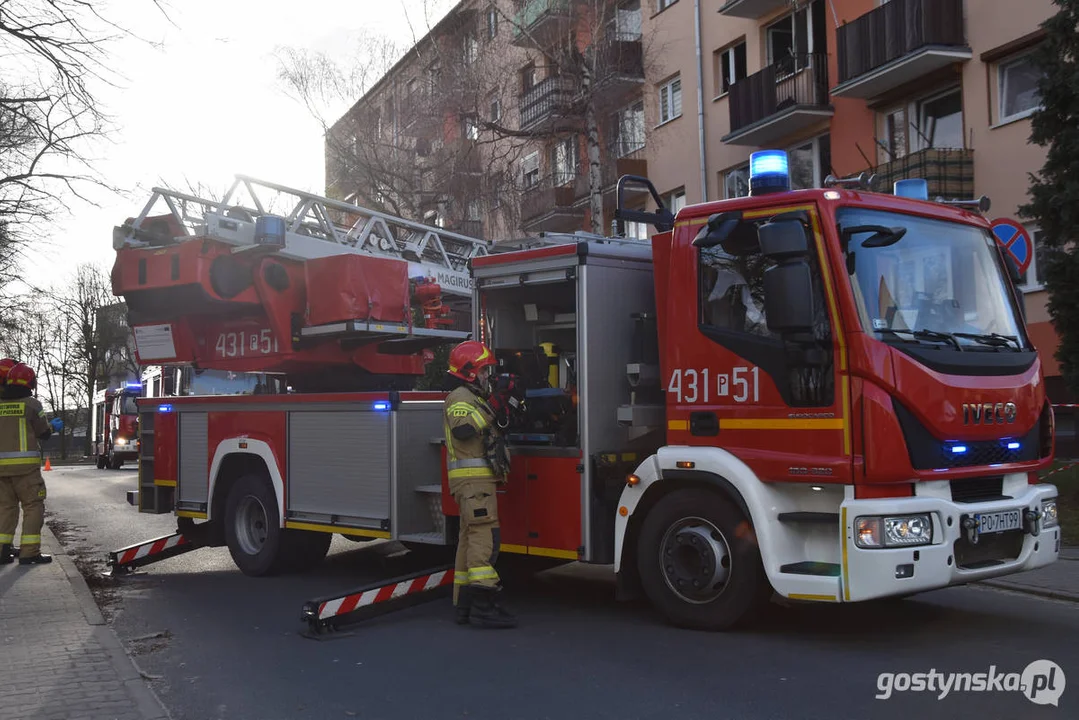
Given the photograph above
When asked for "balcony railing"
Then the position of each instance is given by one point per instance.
(549, 99)
(549, 205)
(794, 84)
(896, 29)
(621, 58)
(538, 21)
(949, 173)
(619, 160)
(471, 228)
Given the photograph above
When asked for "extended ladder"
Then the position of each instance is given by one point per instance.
(316, 227)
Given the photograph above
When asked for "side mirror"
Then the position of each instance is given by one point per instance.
(783, 239)
(718, 229)
(788, 298)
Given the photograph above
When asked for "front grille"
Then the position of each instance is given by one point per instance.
(984, 452)
(991, 550)
(980, 489)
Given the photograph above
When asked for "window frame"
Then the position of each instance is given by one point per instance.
(726, 176)
(666, 91)
(669, 197)
(999, 69)
(1038, 284)
(730, 79)
(920, 142)
(491, 23)
(662, 5)
(561, 177)
(620, 120)
(530, 160)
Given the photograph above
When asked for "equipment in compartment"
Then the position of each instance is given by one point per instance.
(548, 416)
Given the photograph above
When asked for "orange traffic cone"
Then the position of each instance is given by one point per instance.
(48, 465)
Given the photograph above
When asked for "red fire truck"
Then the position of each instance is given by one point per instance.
(826, 394)
(116, 426)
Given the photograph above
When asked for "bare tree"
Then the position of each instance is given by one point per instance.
(55, 52)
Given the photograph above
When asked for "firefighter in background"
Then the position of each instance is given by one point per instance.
(5, 365)
(22, 424)
(477, 462)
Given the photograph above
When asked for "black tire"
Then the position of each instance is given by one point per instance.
(101, 462)
(252, 527)
(305, 549)
(115, 463)
(701, 543)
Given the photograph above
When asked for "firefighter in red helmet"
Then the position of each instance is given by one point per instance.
(476, 464)
(22, 425)
(5, 366)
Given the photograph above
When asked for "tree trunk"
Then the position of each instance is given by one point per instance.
(595, 175)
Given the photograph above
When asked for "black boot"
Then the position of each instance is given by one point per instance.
(41, 559)
(7, 554)
(487, 609)
(464, 605)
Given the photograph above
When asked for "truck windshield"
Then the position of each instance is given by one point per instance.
(221, 382)
(918, 279)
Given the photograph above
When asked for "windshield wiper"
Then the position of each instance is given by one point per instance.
(925, 335)
(991, 339)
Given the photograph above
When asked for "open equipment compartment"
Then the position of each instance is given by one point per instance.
(569, 319)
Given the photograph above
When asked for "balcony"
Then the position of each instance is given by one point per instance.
(619, 70)
(613, 167)
(783, 98)
(548, 106)
(949, 173)
(898, 43)
(542, 23)
(549, 207)
(751, 9)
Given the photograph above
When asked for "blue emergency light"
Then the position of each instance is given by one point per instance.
(959, 449)
(1013, 446)
(914, 188)
(133, 386)
(164, 408)
(769, 172)
(381, 405)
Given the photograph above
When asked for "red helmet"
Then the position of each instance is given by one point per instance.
(5, 365)
(22, 376)
(469, 358)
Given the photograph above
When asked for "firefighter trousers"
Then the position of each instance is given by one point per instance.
(27, 490)
(478, 542)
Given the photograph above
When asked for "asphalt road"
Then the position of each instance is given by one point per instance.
(218, 644)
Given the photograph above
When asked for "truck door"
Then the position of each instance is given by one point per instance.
(778, 403)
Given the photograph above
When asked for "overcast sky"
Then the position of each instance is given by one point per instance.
(207, 105)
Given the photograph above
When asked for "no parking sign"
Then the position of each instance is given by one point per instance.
(1015, 240)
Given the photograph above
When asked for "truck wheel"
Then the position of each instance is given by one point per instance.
(252, 527)
(101, 462)
(699, 562)
(115, 463)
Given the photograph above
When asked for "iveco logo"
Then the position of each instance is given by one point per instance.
(989, 413)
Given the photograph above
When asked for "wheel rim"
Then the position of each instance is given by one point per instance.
(695, 560)
(251, 525)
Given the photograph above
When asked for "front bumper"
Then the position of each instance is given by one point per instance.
(951, 559)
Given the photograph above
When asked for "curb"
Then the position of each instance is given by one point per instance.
(146, 701)
(1030, 590)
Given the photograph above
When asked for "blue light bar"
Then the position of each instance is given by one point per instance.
(959, 449)
(769, 172)
(133, 386)
(1013, 446)
(914, 188)
(381, 405)
(164, 408)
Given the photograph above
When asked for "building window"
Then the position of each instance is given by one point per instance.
(736, 183)
(636, 230)
(492, 23)
(791, 38)
(675, 200)
(530, 170)
(895, 134)
(627, 22)
(471, 129)
(471, 48)
(662, 5)
(670, 100)
(810, 162)
(940, 121)
(496, 110)
(474, 210)
(730, 67)
(528, 77)
(564, 162)
(1017, 88)
(1034, 278)
(627, 130)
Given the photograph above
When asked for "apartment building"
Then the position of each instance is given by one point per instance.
(682, 91)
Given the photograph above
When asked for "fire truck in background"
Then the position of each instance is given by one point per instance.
(115, 427)
(826, 394)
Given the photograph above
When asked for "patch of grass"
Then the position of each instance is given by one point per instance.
(1067, 482)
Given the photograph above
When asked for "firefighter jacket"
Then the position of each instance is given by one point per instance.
(482, 455)
(22, 424)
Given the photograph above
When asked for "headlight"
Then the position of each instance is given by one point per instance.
(121, 441)
(1049, 514)
(901, 531)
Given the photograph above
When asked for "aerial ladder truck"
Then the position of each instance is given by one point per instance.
(828, 394)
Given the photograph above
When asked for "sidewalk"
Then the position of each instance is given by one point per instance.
(1059, 580)
(60, 660)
